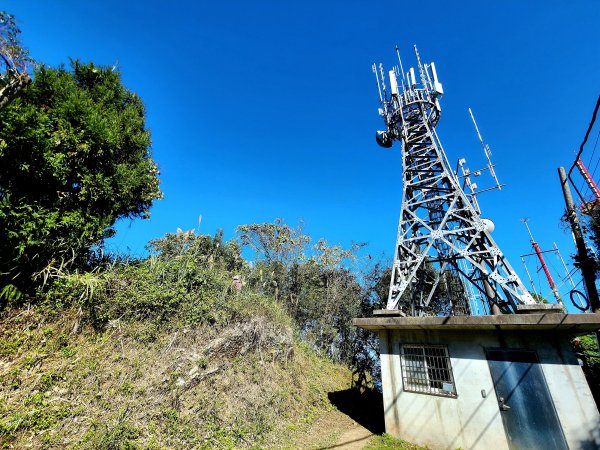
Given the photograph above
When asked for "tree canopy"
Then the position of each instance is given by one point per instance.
(14, 60)
(74, 158)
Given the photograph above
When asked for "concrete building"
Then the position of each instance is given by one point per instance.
(486, 382)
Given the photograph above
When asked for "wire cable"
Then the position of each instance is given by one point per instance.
(580, 294)
(598, 162)
(587, 133)
(589, 164)
(590, 126)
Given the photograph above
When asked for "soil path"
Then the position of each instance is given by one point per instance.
(336, 431)
(354, 438)
(350, 426)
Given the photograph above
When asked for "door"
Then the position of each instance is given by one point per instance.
(527, 410)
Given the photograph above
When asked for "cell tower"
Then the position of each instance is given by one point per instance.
(446, 261)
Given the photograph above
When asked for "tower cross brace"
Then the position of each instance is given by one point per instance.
(446, 261)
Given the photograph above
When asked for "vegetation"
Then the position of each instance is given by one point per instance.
(321, 287)
(538, 298)
(74, 158)
(166, 352)
(586, 349)
(387, 442)
(190, 347)
(14, 60)
(134, 385)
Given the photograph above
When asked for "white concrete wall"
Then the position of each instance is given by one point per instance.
(471, 421)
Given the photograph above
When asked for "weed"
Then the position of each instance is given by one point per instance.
(120, 435)
(388, 442)
(14, 378)
(10, 346)
(126, 388)
(48, 380)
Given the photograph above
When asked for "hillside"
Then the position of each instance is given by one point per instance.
(64, 385)
(190, 347)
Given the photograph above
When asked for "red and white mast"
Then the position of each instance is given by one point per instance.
(538, 252)
(588, 206)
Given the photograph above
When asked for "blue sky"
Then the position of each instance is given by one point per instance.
(268, 109)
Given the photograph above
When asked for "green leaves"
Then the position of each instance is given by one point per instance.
(74, 158)
(319, 285)
(275, 242)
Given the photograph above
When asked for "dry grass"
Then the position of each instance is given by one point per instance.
(137, 385)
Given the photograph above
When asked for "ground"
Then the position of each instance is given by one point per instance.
(339, 431)
(351, 423)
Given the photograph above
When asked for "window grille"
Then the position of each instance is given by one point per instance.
(426, 369)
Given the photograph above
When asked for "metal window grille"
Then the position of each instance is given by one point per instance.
(426, 369)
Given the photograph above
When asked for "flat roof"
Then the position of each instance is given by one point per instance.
(544, 321)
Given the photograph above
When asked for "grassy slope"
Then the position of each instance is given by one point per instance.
(134, 385)
(387, 442)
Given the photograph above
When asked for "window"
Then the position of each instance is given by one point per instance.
(426, 369)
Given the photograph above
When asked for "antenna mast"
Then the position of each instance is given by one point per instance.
(444, 250)
(487, 151)
(540, 256)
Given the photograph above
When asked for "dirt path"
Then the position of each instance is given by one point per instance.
(354, 438)
(351, 423)
(336, 431)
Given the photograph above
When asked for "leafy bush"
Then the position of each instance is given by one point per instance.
(74, 158)
(187, 279)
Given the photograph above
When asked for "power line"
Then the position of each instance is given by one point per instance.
(590, 126)
(598, 162)
(586, 134)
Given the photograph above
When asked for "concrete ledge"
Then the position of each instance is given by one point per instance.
(388, 313)
(540, 308)
(547, 321)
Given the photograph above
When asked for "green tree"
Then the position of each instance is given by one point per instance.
(210, 251)
(592, 229)
(74, 158)
(316, 285)
(14, 60)
(275, 242)
(586, 350)
(277, 248)
(538, 298)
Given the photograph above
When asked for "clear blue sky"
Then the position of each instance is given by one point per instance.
(268, 109)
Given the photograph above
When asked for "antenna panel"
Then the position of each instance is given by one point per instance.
(411, 77)
(437, 86)
(393, 82)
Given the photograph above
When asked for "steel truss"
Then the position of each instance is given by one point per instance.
(444, 248)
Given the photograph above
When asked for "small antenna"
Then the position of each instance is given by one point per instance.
(401, 67)
(383, 81)
(529, 276)
(421, 71)
(574, 291)
(487, 151)
(466, 175)
(378, 85)
(525, 220)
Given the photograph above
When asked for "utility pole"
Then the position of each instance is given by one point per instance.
(587, 267)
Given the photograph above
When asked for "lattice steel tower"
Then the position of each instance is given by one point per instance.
(446, 261)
